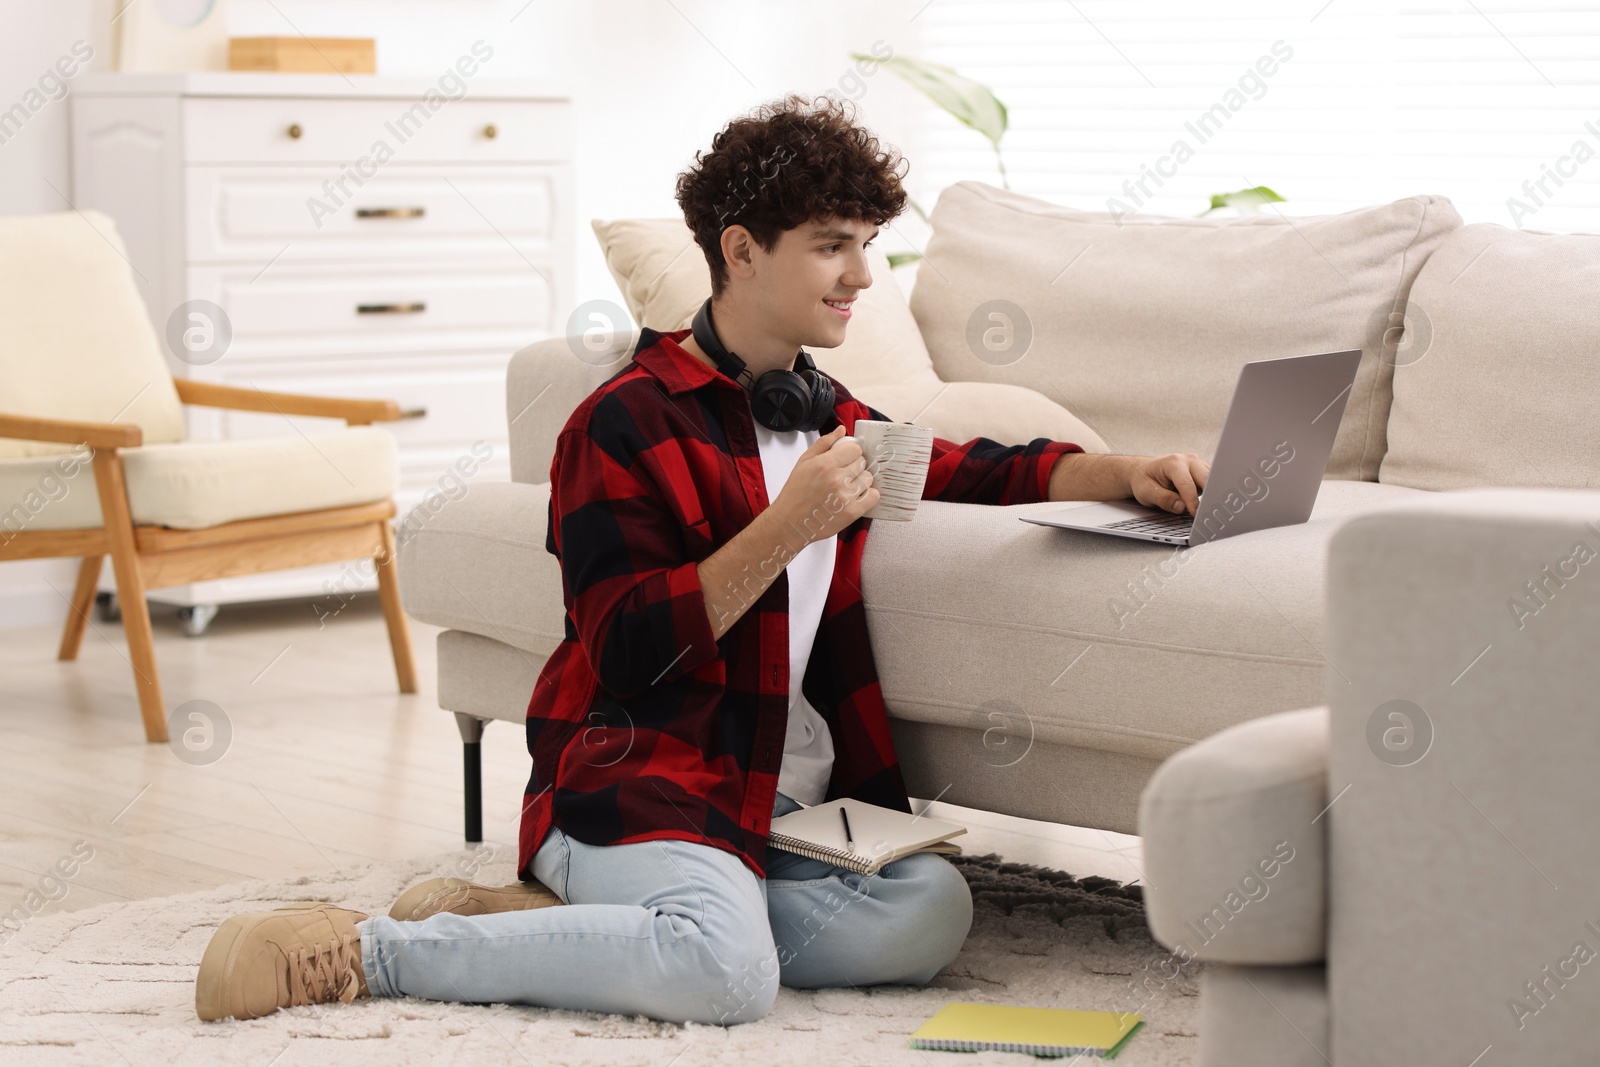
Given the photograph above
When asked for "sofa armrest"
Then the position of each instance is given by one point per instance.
(478, 563)
(1264, 1017)
(1462, 870)
(1235, 843)
(545, 383)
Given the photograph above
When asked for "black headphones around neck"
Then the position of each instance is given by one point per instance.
(782, 400)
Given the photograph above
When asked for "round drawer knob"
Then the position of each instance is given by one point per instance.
(491, 131)
(295, 131)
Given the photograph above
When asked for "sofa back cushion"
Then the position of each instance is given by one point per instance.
(1139, 325)
(75, 342)
(1497, 381)
(664, 279)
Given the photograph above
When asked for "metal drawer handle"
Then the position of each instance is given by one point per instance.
(391, 309)
(491, 132)
(295, 131)
(390, 212)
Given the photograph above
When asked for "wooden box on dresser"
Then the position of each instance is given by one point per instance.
(362, 236)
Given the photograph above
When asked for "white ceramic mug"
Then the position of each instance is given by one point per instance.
(897, 454)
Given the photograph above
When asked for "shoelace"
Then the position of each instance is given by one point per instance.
(327, 966)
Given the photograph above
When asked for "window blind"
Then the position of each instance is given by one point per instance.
(1155, 105)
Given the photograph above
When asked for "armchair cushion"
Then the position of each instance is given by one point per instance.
(192, 485)
(77, 342)
(1235, 843)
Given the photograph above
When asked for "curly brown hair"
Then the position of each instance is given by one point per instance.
(783, 165)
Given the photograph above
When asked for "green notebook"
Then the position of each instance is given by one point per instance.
(1038, 1031)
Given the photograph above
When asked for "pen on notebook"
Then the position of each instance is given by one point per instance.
(849, 842)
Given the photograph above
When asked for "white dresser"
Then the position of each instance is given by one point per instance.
(361, 239)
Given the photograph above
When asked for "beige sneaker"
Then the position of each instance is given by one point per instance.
(259, 962)
(461, 897)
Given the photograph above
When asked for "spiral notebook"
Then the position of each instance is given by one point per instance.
(962, 1027)
(881, 834)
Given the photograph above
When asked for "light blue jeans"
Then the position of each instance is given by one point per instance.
(680, 931)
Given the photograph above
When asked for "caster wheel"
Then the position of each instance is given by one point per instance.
(197, 619)
(107, 607)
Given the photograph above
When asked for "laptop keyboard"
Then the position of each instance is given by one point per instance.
(1168, 525)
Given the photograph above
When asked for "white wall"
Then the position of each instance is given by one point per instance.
(651, 81)
(33, 35)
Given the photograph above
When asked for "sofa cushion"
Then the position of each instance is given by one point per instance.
(1089, 643)
(1139, 325)
(664, 279)
(75, 342)
(195, 484)
(1235, 846)
(1497, 383)
(961, 411)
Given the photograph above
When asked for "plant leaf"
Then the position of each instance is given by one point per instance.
(1248, 201)
(969, 101)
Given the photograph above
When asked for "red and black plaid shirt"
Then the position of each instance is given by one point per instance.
(642, 726)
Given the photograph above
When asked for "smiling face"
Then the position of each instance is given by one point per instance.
(806, 287)
(799, 295)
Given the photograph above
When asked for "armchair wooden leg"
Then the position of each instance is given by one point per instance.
(113, 493)
(82, 603)
(393, 614)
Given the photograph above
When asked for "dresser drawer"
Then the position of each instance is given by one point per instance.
(369, 135)
(259, 213)
(463, 392)
(324, 311)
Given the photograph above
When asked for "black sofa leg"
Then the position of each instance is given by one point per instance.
(471, 728)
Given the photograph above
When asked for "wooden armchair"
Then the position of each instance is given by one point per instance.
(74, 338)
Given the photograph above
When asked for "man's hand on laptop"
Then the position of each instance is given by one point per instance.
(1171, 482)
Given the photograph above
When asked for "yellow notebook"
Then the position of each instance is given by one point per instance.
(1039, 1031)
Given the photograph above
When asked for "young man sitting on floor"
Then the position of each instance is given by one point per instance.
(717, 670)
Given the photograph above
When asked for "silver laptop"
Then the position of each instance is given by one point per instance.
(1270, 459)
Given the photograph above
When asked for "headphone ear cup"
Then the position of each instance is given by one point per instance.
(782, 401)
(822, 399)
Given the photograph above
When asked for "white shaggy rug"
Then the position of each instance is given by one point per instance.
(114, 984)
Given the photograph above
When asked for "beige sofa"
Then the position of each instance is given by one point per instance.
(1406, 873)
(1048, 673)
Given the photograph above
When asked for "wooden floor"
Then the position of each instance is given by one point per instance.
(327, 765)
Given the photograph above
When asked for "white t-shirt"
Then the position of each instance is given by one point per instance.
(807, 746)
